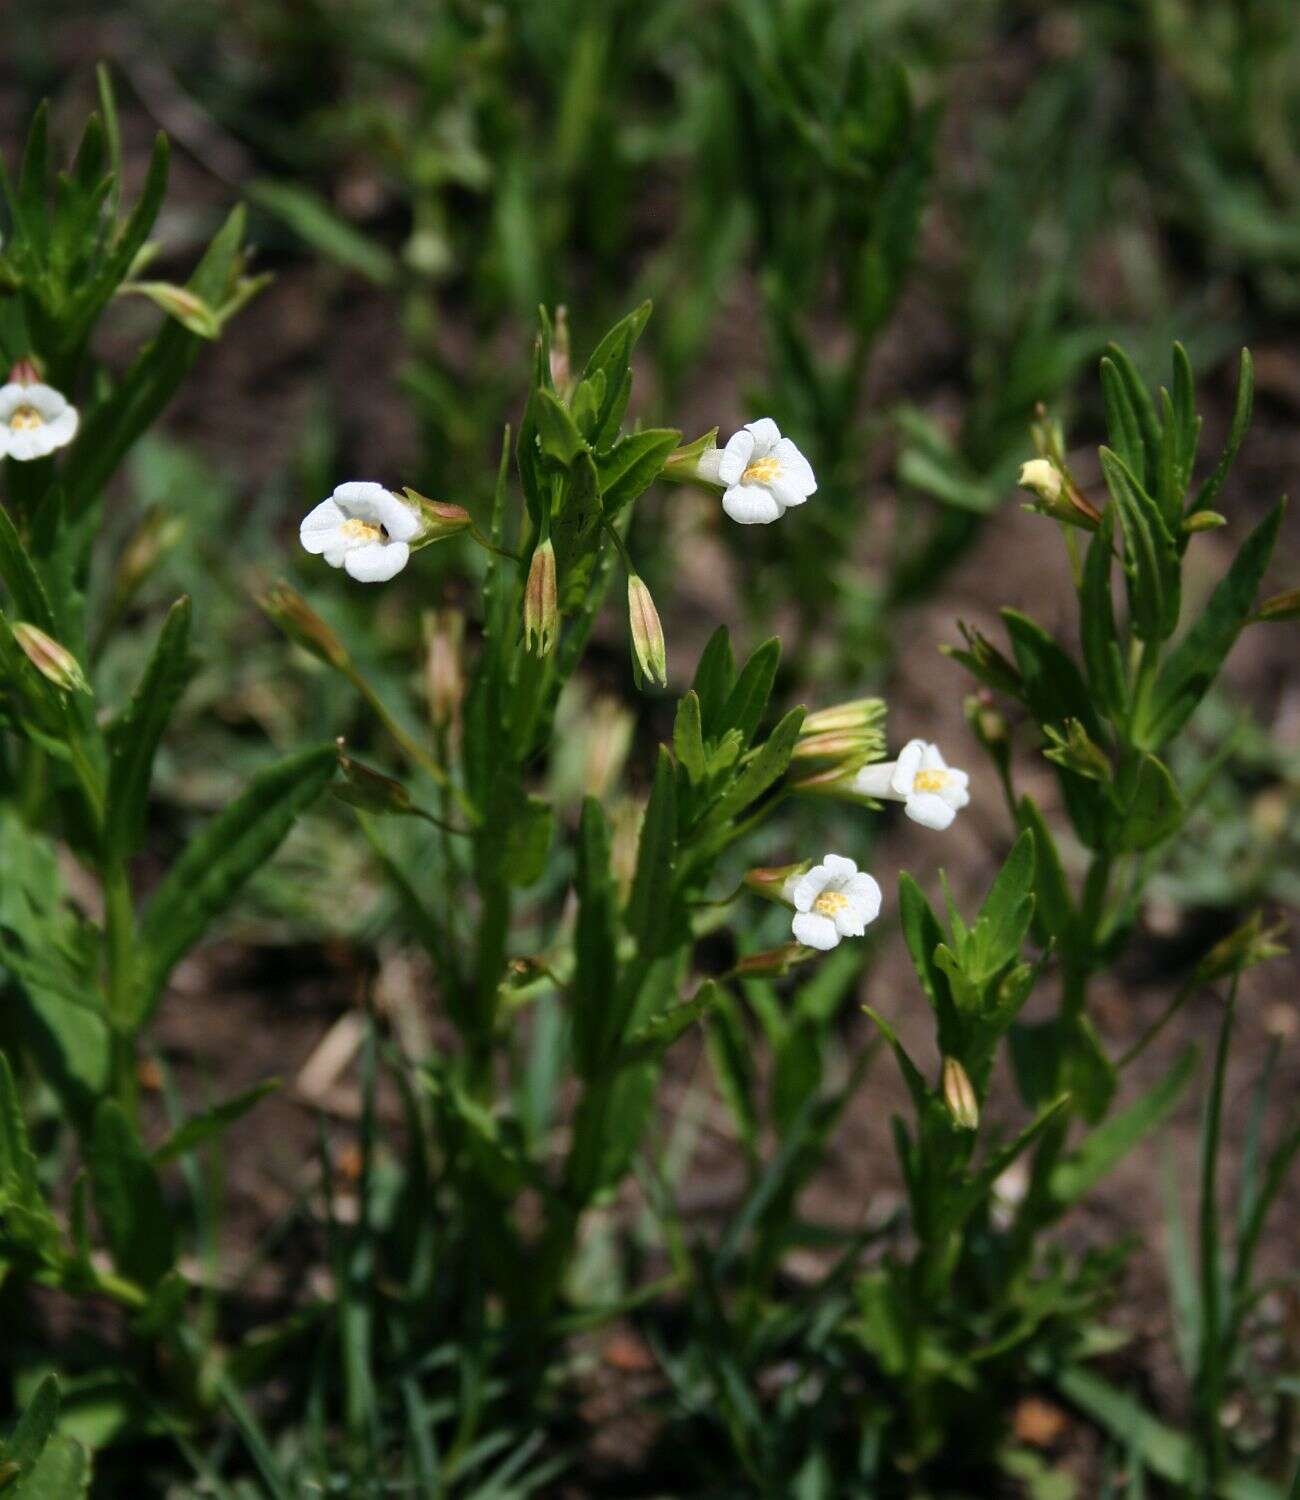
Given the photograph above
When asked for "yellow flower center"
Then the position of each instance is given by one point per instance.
(357, 530)
(829, 902)
(762, 471)
(26, 419)
(929, 781)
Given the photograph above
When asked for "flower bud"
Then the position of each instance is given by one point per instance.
(152, 539)
(53, 661)
(836, 781)
(773, 882)
(304, 626)
(773, 962)
(1280, 607)
(561, 368)
(178, 302)
(438, 520)
(648, 650)
(848, 748)
(444, 676)
(959, 1095)
(856, 716)
(541, 601)
(1058, 495)
(369, 790)
(1204, 520)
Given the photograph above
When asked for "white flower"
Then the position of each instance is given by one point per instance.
(364, 529)
(1043, 478)
(35, 419)
(833, 900)
(932, 792)
(764, 474)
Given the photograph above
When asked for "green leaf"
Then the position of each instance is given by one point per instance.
(1153, 810)
(1146, 424)
(30, 602)
(1103, 1148)
(34, 1427)
(714, 678)
(763, 770)
(556, 430)
(688, 743)
(134, 740)
(651, 908)
(129, 1199)
(796, 1073)
(1053, 909)
(632, 465)
(923, 934)
(1193, 664)
(1103, 659)
(1241, 412)
(649, 1042)
(999, 930)
(747, 699)
(220, 858)
(595, 962)
(1152, 566)
(202, 1128)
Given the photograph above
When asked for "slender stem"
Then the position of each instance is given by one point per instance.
(119, 926)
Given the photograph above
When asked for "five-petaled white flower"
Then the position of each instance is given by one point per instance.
(364, 529)
(931, 791)
(35, 419)
(833, 900)
(764, 474)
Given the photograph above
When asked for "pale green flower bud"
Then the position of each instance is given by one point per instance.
(648, 648)
(959, 1095)
(304, 626)
(541, 601)
(54, 662)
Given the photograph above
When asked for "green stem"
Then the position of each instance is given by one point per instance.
(119, 928)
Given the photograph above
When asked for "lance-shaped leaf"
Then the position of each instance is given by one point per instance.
(632, 465)
(745, 703)
(1130, 409)
(611, 357)
(1151, 561)
(714, 678)
(767, 765)
(30, 601)
(139, 397)
(595, 974)
(1053, 909)
(1102, 658)
(998, 932)
(32, 1432)
(1153, 807)
(199, 1129)
(652, 910)
(134, 739)
(220, 858)
(129, 1199)
(1102, 1149)
(650, 1041)
(1193, 664)
(923, 934)
(1241, 412)
(688, 742)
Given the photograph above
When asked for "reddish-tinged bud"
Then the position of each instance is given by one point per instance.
(774, 962)
(438, 520)
(541, 601)
(648, 649)
(444, 676)
(54, 662)
(24, 372)
(771, 882)
(304, 626)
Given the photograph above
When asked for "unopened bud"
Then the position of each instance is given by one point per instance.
(561, 369)
(857, 715)
(1280, 607)
(53, 661)
(438, 520)
(959, 1095)
(835, 782)
(189, 309)
(774, 962)
(541, 601)
(648, 650)
(1057, 494)
(444, 676)
(1204, 520)
(849, 749)
(369, 790)
(773, 882)
(304, 626)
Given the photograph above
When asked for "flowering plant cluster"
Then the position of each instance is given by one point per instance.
(571, 943)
